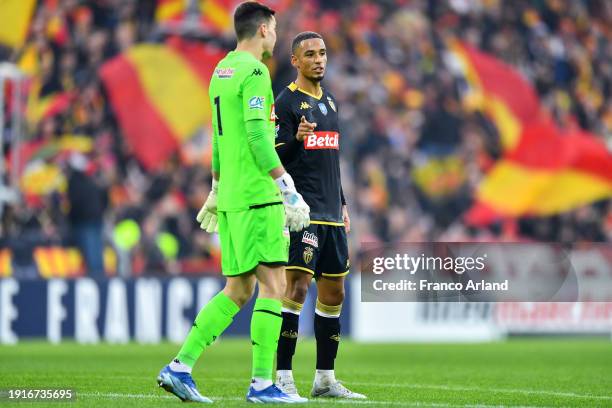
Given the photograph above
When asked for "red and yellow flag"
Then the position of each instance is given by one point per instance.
(15, 16)
(543, 171)
(39, 173)
(57, 28)
(440, 177)
(499, 91)
(214, 15)
(42, 107)
(159, 93)
(40, 178)
(42, 150)
(548, 173)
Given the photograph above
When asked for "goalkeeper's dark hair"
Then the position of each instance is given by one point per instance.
(305, 35)
(249, 16)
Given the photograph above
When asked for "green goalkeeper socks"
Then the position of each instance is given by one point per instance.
(217, 315)
(212, 320)
(265, 329)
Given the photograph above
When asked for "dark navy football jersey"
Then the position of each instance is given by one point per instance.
(314, 163)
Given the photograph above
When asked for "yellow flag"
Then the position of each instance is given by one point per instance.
(15, 18)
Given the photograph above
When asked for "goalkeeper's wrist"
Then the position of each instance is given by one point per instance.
(285, 182)
(215, 185)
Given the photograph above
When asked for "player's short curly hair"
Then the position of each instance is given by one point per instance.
(249, 16)
(305, 35)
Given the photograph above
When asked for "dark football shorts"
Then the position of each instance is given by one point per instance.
(320, 249)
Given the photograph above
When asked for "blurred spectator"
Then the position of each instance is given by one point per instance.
(88, 201)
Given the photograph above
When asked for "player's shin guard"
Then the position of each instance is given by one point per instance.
(265, 329)
(210, 322)
(327, 334)
(289, 334)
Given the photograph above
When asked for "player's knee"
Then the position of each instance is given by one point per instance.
(281, 287)
(274, 292)
(240, 294)
(244, 297)
(332, 295)
(297, 292)
(338, 295)
(274, 289)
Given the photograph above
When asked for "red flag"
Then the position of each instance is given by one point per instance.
(160, 95)
(500, 91)
(548, 173)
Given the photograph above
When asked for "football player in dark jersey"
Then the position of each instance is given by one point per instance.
(308, 143)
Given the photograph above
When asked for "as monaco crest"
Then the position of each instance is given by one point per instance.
(323, 108)
(308, 254)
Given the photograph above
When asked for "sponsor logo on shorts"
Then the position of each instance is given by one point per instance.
(310, 238)
(224, 73)
(308, 254)
(322, 140)
(335, 337)
(256, 102)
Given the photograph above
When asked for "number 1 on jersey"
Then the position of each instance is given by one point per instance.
(218, 104)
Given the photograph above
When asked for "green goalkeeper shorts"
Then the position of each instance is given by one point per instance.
(251, 237)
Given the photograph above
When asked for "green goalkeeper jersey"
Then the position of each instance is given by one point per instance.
(241, 90)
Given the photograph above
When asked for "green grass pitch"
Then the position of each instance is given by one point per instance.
(537, 372)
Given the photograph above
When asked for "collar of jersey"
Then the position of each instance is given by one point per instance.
(293, 86)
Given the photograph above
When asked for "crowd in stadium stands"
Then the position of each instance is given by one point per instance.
(412, 152)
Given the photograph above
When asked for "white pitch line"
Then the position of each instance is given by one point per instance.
(457, 388)
(115, 395)
(499, 390)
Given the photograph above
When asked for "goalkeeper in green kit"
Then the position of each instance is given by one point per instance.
(251, 201)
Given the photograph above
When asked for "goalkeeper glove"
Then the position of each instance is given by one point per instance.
(296, 210)
(207, 217)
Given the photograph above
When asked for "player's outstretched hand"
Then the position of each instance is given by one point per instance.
(296, 210)
(305, 128)
(207, 217)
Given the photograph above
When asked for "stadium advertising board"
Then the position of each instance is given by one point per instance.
(145, 310)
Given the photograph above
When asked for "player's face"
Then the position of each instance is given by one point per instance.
(269, 38)
(311, 59)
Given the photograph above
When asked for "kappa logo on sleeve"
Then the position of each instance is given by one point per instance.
(257, 72)
(256, 102)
